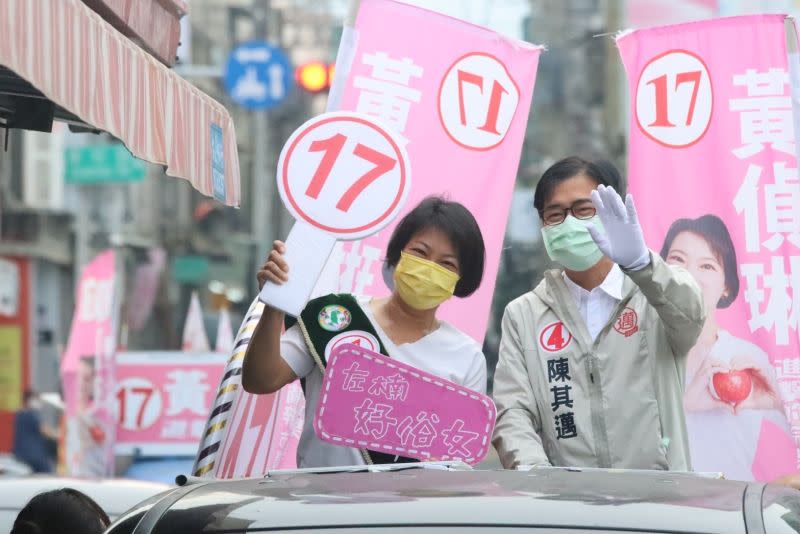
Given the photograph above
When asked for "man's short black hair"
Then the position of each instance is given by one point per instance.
(27, 396)
(603, 172)
(713, 230)
(457, 223)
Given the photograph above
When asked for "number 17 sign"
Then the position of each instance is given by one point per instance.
(342, 176)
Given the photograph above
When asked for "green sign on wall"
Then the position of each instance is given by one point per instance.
(97, 164)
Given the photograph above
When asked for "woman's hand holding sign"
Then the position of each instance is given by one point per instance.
(275, 269)
(623, 240)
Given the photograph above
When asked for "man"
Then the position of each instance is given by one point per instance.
(592, 361)
(31, 437)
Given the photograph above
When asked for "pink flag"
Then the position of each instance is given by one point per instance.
(245, 434)
(714, 173)
(87, 372)
(195, 338)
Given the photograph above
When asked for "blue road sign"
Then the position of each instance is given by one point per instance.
(258, 75)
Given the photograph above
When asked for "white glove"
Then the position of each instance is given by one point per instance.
(623, 241)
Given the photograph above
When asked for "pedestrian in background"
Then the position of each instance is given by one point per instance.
(33, 440)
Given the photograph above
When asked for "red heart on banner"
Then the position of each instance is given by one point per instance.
(733, 387)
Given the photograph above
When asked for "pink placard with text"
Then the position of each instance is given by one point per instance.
(373, 402)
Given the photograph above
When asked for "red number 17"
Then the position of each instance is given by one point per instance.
(660, 85)
(122, 395)
(332, 147)
(493, 110)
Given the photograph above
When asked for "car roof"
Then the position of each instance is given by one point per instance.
(114, 495)
(558, 498)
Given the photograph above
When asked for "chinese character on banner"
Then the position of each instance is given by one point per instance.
(373, 419)
(766, 113)
(419, 433)
(186, 390)
(387, 94)
(393, 387)
(355, 378)
(457, 439)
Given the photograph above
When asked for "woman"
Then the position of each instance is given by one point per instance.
(733, 406)
(435, 252)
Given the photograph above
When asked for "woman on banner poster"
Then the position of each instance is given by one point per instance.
(734, 412)
(85, 434)
(435, 252)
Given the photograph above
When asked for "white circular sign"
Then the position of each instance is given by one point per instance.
(674, 99)
(345, 174)
(138, 402)
(477, 101)
(360, 338)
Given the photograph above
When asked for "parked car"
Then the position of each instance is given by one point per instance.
(11, 467)
(448, 500)
(115, 496)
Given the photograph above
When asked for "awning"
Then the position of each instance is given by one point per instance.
(72, 57)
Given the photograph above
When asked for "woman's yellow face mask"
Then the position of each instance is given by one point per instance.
(423, 284)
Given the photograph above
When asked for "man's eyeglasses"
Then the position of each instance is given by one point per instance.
(582, 209)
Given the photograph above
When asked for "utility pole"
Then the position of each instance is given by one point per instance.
(615, 101)
(264, 188)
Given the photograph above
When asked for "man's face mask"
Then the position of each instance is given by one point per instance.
(423, 284)
(570, 244)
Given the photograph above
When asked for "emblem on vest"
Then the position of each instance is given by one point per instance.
(555, 337)
(627, 323)
(365, 340)
(334, 318)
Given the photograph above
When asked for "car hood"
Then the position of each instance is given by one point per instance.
(550, 497)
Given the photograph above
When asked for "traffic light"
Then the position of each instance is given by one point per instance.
(315, 76)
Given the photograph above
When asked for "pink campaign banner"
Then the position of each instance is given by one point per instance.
(264, 435)
(87, 372)
(372, 402)
(459, 96)
(163, 399)
(713, 169)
